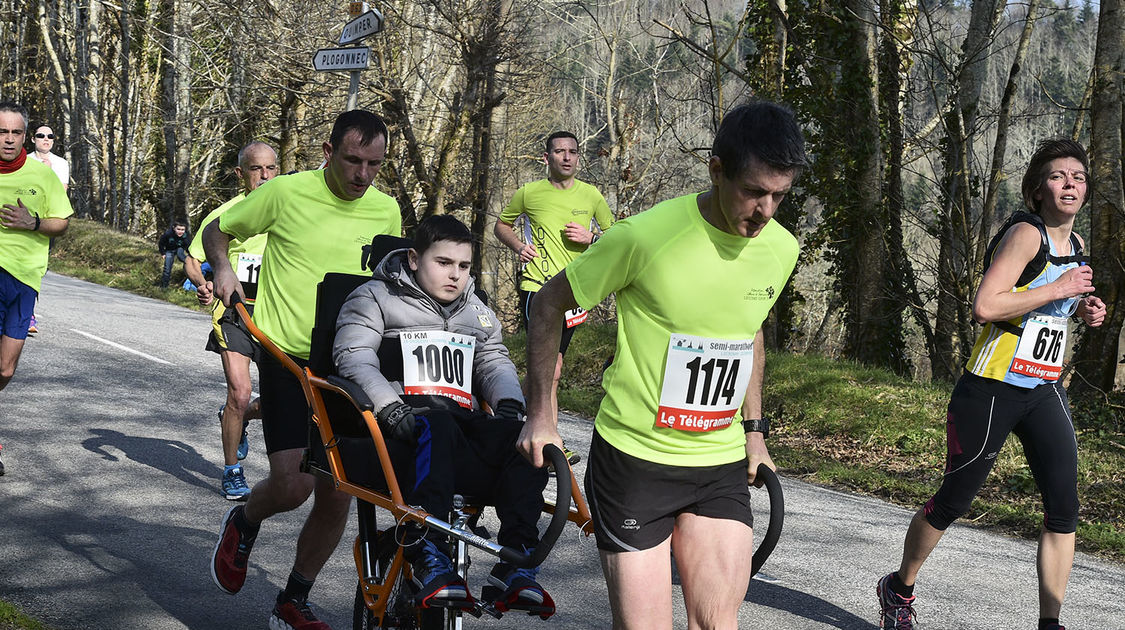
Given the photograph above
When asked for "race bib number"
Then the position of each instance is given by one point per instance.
(575, 316)
(705, 382)
(1040, 350)
(438, 363)
(248, 268)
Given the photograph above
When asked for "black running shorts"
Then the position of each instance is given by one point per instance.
(635, 502)
(285, 412)
(525, 316)
(228, 333)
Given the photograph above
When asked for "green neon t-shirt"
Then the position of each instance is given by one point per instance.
(23, 253)
(548, 210)
(311, 232)
(245, 256)
(676, 274)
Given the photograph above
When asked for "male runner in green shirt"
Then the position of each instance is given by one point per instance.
(257, 164)
(562, 217)
(34, 209)
(695, 277)
(317, 223)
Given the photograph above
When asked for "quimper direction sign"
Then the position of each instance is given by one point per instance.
(369, 23)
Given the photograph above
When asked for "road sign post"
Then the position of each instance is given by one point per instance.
(365, 22)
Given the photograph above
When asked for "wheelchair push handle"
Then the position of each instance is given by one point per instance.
(777, 518)
(554, 455)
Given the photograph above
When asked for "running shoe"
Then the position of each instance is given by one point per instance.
(1056, 626)
(513, 588)
(572, 458)
(898, 611)
(32, 328)
(244, 443)
(435, 578)
(1, 463)
(234, 485)
(291, 614)
(232, 553)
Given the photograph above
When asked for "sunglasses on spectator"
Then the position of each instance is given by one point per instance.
(49, 136)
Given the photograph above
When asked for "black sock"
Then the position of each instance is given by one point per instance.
(1046, 622)
(243, 525)
(297, 588)
(899, 588)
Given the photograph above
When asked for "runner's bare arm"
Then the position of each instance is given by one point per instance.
(215, 244)
(996, 302)
(507, 235)
(19, 217)
(756, 451)
(194, 271)
(543, 335)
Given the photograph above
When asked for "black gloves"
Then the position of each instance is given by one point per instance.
(509, 409)
(397, 422)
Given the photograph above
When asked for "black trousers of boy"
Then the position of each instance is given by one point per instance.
(459, 452)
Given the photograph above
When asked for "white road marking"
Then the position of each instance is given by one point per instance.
(121, 347)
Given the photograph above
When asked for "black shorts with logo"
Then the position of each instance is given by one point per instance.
(635, 502)
(229, 334)
(525, 317)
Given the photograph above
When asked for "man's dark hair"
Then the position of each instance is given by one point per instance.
(440, 227)
(368, 124)
(766, 131)
(560, 134)
(15, 108)
(1051, 149)
(179, 222)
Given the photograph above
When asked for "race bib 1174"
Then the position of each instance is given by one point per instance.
(705, 382)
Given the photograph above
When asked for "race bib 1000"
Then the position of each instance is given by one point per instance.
(1040, 350)
(705, 382)
(438, 363)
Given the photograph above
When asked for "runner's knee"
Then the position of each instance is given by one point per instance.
(940, 513)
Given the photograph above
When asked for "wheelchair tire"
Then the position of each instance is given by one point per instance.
(777, 518)
(401, 613)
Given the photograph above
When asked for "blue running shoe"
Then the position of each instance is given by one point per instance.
(234, 485)
(437, 583)
(513, 588)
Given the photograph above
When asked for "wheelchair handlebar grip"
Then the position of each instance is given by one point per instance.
(555, 456)
(777, 518)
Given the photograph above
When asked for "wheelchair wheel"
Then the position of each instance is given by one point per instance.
(400, 614)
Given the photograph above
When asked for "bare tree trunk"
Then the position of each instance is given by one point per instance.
(951, 323)
(1000, 148)
(1098, 351)
(176, 83)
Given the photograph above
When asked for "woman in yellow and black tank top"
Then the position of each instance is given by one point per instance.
(1035, 278)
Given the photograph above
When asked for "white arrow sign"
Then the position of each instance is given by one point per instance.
(328, 59)
(367, 24)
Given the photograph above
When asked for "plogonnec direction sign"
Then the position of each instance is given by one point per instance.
(369, 23)
(328, 59)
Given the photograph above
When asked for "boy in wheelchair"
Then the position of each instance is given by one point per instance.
(427, 352)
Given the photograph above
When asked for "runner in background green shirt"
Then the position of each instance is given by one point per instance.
(562, 218)
(317, 223)
(668, 470)
(257, 164)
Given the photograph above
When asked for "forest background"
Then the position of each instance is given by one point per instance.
(920, 118)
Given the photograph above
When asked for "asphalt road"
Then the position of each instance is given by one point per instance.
(110, 507)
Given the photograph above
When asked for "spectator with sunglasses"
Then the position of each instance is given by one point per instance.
(44, 140)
